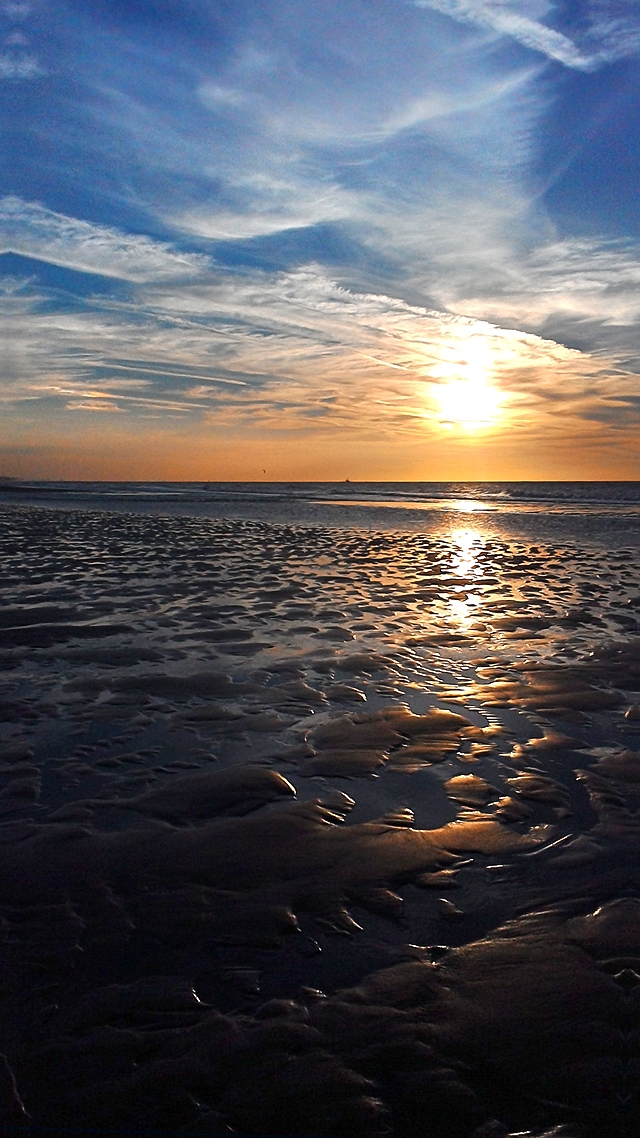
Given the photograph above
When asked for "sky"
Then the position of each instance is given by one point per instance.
(320, 239)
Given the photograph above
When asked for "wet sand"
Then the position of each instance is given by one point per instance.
(317, 832)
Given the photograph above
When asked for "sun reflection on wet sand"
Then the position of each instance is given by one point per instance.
(470, 506)
(460, 505)
(467, 544)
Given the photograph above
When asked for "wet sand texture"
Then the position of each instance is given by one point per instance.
(316, 833)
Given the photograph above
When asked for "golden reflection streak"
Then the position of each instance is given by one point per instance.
(470, 506)
(469, 543)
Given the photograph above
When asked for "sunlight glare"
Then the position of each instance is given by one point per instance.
(468, 543)
(470, 506)
(461, 389)
(467, 403)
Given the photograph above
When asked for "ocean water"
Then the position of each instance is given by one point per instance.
(592, 511)
(320, 809)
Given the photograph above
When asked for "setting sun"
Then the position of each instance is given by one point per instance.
(467, 403)
(460, 388)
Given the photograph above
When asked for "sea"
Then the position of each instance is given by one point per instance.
(601, 511)
(320, 809)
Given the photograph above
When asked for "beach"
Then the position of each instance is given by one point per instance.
(319, 809)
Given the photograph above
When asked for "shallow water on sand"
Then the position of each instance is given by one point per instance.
(318, 831)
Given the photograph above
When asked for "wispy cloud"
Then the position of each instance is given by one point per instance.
(19, 65)
(506, 21)
(270, 207)
(35, 231)
(296, 351)
(17, 60)
(608, 37)
(588, 287)
(93, 404)
(149, 368)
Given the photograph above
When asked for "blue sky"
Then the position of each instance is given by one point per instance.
(243, 235)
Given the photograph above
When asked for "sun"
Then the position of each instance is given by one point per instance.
(461, 389)
(468, 403)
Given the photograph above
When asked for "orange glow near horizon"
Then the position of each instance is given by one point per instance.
(119, 452)
(351, 387)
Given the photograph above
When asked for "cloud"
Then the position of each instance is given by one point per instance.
(290, 352)
(444, 104)
(270, 206)
(116, 366)
(32, 230)
(528, 32)
(418, 156)
(19, 65)
(300, 330)
(93, 405)
(587, 287)
(216, 96)
(395, 129)
(609, 37)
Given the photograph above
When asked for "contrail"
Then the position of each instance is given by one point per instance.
(385, 363)
(178, 374)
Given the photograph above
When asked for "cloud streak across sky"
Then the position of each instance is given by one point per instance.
(280, 230)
